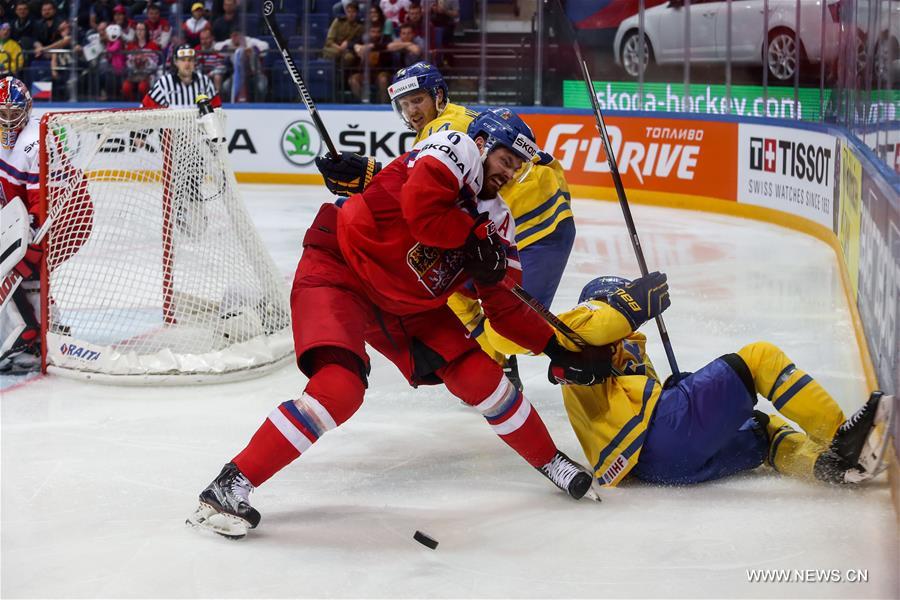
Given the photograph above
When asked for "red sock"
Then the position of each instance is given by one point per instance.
(331, 397)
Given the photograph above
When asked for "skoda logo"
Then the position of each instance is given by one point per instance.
(300, 143)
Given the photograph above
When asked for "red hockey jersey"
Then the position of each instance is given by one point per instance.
(403, 235)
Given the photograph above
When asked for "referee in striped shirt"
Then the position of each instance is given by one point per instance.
(181, 86)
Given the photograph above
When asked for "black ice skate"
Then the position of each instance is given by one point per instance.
(225, 505)
(567, 475)
(859, 444)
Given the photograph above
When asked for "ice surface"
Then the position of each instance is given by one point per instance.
(97, 480)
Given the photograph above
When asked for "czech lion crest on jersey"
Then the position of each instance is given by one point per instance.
(435, 268)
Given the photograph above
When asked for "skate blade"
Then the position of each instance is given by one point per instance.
(208, 518)
(593, 492)
(872, 457)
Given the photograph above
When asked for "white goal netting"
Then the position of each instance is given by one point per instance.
(154, 269)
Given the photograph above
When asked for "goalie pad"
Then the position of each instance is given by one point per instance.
(19, 335)
(15, 234)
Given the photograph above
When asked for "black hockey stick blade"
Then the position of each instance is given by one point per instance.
(551, 319)
(275, 29)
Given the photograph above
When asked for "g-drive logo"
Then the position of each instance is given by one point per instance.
(74, 351)
(808, 162)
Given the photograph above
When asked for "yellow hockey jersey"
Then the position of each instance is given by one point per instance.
(610, 419)
(454, 118)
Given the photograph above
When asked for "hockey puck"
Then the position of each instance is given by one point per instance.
(425, 540)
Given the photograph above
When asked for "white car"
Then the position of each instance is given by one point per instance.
(884, 44)
(750, 44)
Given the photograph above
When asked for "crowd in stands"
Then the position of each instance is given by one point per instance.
(114, 49)
(391, 36)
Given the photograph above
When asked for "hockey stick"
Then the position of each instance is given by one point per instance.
(552, 320)
(272, 24)
(617, 180)
(626, 210)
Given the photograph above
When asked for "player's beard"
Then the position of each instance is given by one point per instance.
(491, 187)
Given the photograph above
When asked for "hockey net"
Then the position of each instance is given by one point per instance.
(153, 270)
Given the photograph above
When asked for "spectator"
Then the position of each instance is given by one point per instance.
(407, 49)
(341, 35)
(116, 59)
(225, 24)
(192, 27)
(376, 15)
(395, 11)
(22, 27)
(445, 13)
(414, 17)
(248, 82)
(210, 61)
(375, 51)
(444, 17)
(120, 18)
(338, 9)
(11, 59)
(101, 12)
(159, 29)
(46, 29)
(50, 39)
(61, 63)
(143, 60)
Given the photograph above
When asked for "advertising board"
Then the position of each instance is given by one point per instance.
(670, 155)
(788, 169)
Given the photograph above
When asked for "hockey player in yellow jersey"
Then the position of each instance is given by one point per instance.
(705, 425)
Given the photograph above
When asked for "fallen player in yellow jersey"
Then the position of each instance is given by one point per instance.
(705, 425)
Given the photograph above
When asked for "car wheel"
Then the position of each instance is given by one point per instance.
(632, 60)
(781, 55)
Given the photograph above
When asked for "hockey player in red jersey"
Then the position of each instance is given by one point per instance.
(379, 270)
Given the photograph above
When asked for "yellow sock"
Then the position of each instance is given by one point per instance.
(794, 394)
(790, 451)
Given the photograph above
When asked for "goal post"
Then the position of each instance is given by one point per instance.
(153, 271)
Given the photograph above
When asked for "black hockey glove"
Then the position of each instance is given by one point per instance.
(643, 299)
(592, 365)
(349, 174)
(485, 255)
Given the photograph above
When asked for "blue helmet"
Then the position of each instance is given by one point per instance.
(503, 126)
(601, 287)
(417, 77)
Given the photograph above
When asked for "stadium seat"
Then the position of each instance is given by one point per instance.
(287, 22)
(320, 80)
(323, 6)
(253, 25)
(294, 42)
(318, 27)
